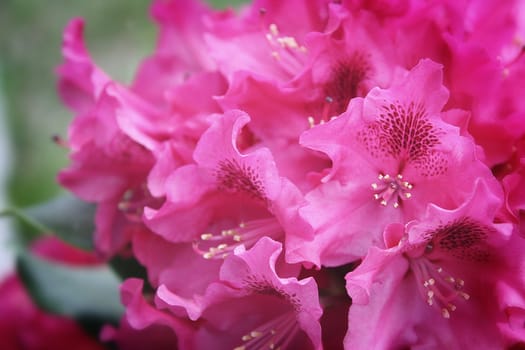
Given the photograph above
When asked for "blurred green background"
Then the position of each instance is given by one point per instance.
(119, 33)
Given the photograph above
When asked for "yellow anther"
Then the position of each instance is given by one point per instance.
(273, 29)
(206, 236)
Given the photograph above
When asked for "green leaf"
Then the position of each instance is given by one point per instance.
(227, 3)
(66, 216)
(89, 295)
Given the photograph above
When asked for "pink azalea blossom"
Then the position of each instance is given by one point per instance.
(377, 140)
(475, 41)
(271, 50)
(172, 135)
(334, 70)
(434, 283)
(252, 307)
(496, 109)
(223, 201)
(180, 48)
(265, 40)
(108, 167)
(390, 151)
(119, 132)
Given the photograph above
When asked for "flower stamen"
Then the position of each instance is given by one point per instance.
(274, 334)
(285, 49)
(391, 189)
(219, 246)
(438, 287)
(134, 200)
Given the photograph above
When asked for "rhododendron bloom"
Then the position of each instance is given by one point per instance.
(306, 174)
(266, 41)
(435, 282)
(119, 132)
(334, 71)
(226, 199)
(252, 306)
(108, 167)
(390, 151)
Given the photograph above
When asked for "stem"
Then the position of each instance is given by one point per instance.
(18, 214)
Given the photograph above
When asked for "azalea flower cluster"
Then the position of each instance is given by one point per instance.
(305, 174)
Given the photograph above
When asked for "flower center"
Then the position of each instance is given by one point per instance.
(439, 288)
(390, 189)
(344, 83)
(325, 114)
(274, 334)
(218, 246)
(134, 200)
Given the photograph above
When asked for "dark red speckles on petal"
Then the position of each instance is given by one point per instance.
(262, 286)
(463, 238)
(434, 164)
(405, 133)
(345, 82)
(236, 177)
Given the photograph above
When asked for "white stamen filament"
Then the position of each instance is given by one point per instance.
(274, 334)
(285, 50)
(437, 287)
(218, 246)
